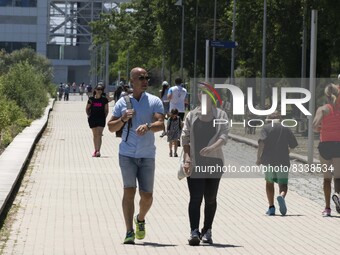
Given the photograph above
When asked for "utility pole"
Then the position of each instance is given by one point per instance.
(264, 35)
(214, 38)
(232, 66)
(312, 76)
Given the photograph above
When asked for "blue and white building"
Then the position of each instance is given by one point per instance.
(57, 29)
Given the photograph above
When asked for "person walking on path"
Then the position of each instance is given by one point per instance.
(97, 110)
(163, 94)
(273, 152)
(66, 92)
(174, 127)
(117, 93)
(81, 90)
(327, 122)
(88, 90)
(74, 87)
(137, 149)
(60, 91)
(202, 145)
(177, 95)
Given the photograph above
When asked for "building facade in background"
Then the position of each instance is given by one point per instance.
(59, 30)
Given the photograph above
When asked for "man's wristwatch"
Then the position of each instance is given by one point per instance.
(148, 125)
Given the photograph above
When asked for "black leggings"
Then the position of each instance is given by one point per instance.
(199, 188)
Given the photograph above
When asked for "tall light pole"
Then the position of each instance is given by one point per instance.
(195, 61)
(127, 66)
(107, 65)
(312, 76)
(180, 3)
(232, 66)
(214, 50)
(264, 35)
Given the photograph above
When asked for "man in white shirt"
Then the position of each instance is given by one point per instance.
(178, 97)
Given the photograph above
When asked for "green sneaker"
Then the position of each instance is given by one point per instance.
(140, 228)
(130, 238)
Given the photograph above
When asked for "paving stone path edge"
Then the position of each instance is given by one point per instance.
(15, 158)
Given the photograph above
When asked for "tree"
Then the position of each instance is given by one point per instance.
(146, 32)
(24, 85)
(39, 62)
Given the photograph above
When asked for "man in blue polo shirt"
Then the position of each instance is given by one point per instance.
(137, 149)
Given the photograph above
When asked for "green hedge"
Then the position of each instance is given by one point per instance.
(25, 85)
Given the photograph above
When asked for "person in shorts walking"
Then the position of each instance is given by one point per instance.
(137, 149)
(273, 152)
(97, 110)
(327, 122)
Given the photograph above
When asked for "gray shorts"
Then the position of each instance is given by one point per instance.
(141, 169)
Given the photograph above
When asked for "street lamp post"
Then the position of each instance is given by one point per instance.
(195, 60)
(107, 65)
(232, 66)
(312, 76)
(264, 35)
(180, 3)
(214, 49)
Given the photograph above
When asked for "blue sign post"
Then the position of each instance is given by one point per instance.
(223, 44)
(216, 44)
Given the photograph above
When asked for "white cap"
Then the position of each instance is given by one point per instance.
(339, 77)
(165, 83)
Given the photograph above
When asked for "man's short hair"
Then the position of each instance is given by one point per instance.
(178, 81)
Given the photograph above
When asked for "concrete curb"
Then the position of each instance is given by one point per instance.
(14, 159)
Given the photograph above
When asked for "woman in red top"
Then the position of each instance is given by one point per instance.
(327, 122)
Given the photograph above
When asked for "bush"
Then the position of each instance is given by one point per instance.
(52, 90)
(38, 62)
(25, 82)
(24, 85)
(12, 121)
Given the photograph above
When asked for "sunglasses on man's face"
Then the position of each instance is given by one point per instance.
(142, 78)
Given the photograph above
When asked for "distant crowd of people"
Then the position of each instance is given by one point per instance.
(64, 90)
(137, 115)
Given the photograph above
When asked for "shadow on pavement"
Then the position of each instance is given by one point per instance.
(219, 245)
(287, 215)
(156, 244)
(334, 216)
(292, 215)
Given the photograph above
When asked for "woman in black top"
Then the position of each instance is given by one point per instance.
(202, 144)
(97, 109)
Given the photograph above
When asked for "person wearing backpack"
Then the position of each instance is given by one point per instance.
(137, 149)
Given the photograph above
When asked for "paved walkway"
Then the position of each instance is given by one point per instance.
(70, 203)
